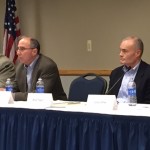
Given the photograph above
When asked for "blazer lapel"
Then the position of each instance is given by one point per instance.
(24, 79)
(140, 73)
(35, 75)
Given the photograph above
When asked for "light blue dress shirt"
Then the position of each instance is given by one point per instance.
(123, 92)
(29, 72)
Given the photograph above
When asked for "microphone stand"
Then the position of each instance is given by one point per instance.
(125, 69)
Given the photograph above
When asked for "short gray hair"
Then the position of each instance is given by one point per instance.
(138, 42)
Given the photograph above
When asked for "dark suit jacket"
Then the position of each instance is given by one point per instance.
(45, 68)
(142, 80)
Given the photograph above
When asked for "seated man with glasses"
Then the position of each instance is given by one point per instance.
(34, 65)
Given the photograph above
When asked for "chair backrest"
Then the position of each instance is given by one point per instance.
(82, 86)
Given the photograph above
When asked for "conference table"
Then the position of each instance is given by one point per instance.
(74, 126)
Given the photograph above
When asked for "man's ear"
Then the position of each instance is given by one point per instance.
(34, 51)
(138, 52)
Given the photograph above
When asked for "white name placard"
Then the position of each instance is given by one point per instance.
(102, 102)
(43, 99)
(6, 97)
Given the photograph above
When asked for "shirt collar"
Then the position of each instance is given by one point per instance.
(135, 68)
(33, 63)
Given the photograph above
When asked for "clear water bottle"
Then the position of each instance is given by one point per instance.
(40, 86)
(132, 92)
(9, 85)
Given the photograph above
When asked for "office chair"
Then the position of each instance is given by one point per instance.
(87, 84)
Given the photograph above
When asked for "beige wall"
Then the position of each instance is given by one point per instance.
(64, 26)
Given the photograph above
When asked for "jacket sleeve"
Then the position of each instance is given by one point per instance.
(7, 70)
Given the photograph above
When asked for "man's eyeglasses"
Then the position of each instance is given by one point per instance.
(23, 48)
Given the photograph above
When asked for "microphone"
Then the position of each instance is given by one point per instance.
(125, 69)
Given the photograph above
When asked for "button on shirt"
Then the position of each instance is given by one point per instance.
(123, 92)
(29, 73)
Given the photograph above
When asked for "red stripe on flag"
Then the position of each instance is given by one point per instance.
(18, 33)
(9, 46)
(17, 20)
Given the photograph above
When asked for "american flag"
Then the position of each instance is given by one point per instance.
(11, 30)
